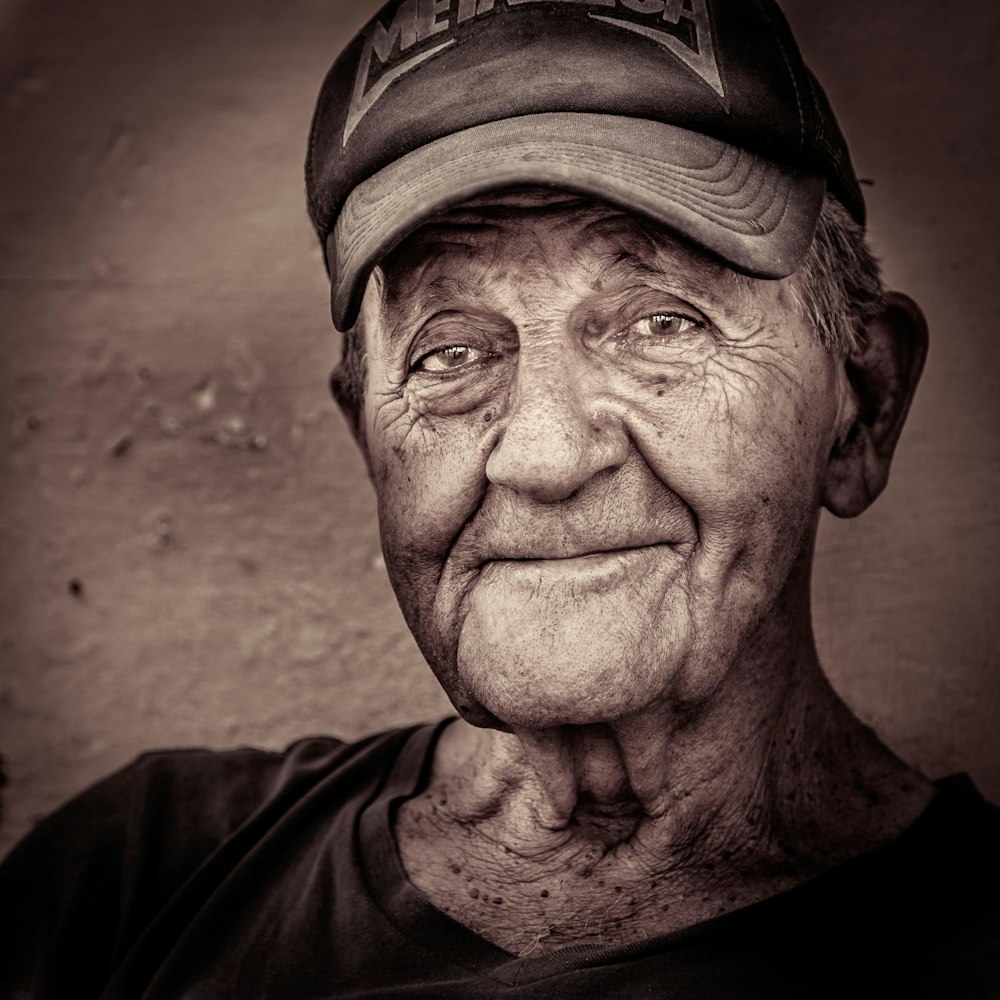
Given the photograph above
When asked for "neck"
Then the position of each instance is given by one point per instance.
(773, 759)
(683, 810)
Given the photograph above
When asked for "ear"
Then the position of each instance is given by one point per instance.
(347, 399)
(882, 377)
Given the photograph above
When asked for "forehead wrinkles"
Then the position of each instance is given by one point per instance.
(416, 277)
(460, 258)
(472, 250)
(418, 261)
(629, 248)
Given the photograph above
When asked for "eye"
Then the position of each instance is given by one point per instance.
(661, 325)
(448, 359)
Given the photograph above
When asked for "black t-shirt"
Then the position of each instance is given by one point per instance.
(246, 874)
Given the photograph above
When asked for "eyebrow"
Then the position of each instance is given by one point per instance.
(418, 297)
(688, 270)
(445, 288)
(622, 265)
(633, 249)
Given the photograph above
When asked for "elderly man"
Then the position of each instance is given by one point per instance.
(614, 339)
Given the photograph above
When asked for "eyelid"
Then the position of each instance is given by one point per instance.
(413, 367)
(633, 303)
(484, 332)
(645, 307)
(671, 314)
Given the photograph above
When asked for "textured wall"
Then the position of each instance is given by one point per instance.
(189, 548)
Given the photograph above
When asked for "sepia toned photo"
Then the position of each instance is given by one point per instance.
(499, 500)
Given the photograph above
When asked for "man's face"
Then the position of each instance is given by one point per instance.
(598, 456)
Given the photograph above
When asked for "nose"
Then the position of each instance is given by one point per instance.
(555, 436)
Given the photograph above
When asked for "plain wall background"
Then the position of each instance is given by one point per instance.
(189, 550)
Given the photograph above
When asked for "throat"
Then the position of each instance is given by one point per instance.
(539, 851)
(603, 878)
(608, 835)
(607, 823)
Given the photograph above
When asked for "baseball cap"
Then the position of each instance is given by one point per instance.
(699, 115)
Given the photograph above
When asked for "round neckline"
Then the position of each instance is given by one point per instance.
(421, 922)
(391, 890)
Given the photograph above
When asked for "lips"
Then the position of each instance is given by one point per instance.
(562, 552)
(531, 538)
(562, 549)
(593, 525)
(595, 571)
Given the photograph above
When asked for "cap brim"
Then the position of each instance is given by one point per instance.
(756, 215)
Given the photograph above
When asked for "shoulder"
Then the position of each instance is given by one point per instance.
(80, 887)
(183, 802)
(922, 915)
(204, 793)
(957, 847)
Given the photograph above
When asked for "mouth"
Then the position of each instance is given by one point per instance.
(591, 568)
(566, 557)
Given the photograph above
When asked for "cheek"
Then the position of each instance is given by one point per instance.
(733, 430)
(428, 477)
(429, 480)
(745, 447)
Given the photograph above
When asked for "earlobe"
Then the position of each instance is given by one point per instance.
(883, 377)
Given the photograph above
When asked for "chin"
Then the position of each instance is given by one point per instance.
(556, 676)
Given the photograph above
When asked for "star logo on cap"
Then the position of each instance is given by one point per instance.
(416, 21)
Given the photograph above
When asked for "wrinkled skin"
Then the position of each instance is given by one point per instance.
(588, 508)
(599, 457)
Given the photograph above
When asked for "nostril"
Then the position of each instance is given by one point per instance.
(550, 455)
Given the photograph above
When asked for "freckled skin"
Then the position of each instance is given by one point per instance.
(599, 458)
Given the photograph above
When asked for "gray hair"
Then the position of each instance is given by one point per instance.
(839, 285)
(838, 289)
